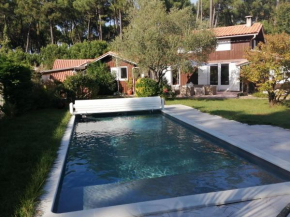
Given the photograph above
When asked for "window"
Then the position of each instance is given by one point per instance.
(214, 75)
(223, 45)
(124, 74)
(121, 73)
(225, 74)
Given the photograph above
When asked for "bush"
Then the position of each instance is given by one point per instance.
(50, 94)
(260, 95)
(165, 90)
(105, 80)
(18, 56)
(82, 86)
(17, 87)
(146, 87)
(84, 50)
(52, 52)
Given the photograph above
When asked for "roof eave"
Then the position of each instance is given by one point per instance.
(79, 68)
(235, 36)
(116, 56)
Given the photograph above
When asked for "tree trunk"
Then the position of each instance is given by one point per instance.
(277, 3)
(120, 24)
(271, 98)
(100, 24)
(210, 13)
(79, 36)
(201, 10)
(28, 38)
(197, 12)
(51, 32)
(213, 18)
(89, 29)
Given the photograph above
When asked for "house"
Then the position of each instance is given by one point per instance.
(221, 70)
(223, 66)
(122, 68)
(65, 67)
(119, 66)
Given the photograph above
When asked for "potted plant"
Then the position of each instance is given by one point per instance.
(130, 86)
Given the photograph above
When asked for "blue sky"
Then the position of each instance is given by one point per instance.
(193, 1)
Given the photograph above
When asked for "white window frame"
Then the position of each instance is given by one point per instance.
(118, 73)
(223, 45)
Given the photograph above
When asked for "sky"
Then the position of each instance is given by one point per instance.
(193, 1)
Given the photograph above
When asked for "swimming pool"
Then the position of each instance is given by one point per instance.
(115, 160)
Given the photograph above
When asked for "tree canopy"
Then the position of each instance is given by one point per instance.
(165, 39)
(269, 67)
(31, 24)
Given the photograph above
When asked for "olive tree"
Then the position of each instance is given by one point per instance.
(156, 39)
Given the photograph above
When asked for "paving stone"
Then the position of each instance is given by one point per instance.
(270, 139)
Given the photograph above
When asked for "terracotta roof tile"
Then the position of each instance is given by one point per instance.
(61, 76)
(67, 63)
(237, 30)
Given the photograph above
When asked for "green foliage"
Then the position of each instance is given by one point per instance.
(29, 145)
(166, 91)
(154, 44)
(146, 87)
(169, 4)
(105, 80)
(85, 50)
(50, 95)
(129, 83)
(283, 18)
(52, 52)
(260, 95)
(21, 57)
(83, 86)
(17, 87)
(269, 67)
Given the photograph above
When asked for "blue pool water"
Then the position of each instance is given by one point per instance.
(128, 159)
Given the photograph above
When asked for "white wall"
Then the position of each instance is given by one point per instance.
(203, 75)
(168, 75)
(45, 77)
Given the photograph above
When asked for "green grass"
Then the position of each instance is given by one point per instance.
(250, 111)
(28, 147)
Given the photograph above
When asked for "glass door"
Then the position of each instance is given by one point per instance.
(214, 75)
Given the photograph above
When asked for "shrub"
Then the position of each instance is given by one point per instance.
(260, 95)
(165, 90)
(83, 86)
(106, 81)
(146, 87)
(18, 56)
(87, 49)
(17, 87)
(51, 52)
(84, 50)
(49, 94)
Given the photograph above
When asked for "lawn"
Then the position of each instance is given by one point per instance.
(29, 144)
(250, 111)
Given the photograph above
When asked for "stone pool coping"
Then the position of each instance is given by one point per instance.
(171, 204)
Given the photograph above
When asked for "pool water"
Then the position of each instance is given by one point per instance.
(134, 158)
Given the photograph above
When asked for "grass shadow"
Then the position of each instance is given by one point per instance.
(29, 144)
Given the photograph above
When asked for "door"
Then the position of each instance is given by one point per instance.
(214, 75)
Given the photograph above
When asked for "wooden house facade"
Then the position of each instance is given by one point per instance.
(223, 66)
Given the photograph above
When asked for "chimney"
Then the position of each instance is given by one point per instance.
(248, 21)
